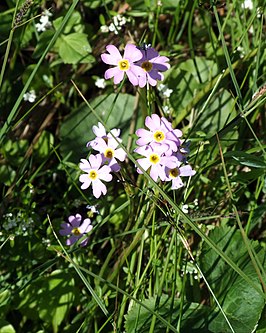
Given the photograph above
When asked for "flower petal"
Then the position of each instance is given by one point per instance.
(114, 52)
(132, 53)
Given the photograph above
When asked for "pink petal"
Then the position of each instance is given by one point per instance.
(132, 77)
(187, 170)
(143, 81)
(98, 188)
(144, 163)
(114, 52)
(177, 183)
(100, 130)
(85, 226)
(85, 180)
(108, 59)
(153, 122)
(132, 53)
(85, 165)
(118, 77)
(120, 154)
(111, 72)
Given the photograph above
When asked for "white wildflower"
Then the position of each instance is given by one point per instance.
(247, 4)
(104, 28)
(164, 90)
(44, 22)
(100, 83)
(30, 96)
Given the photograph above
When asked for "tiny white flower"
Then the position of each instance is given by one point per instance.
(92, 209)
(184, 209)
(247, 4)
(100, 83)
(44, 23)
(104, 28)
(166, 109)
(165, 91)
(123, 21)
(30, 96)
(113, 28)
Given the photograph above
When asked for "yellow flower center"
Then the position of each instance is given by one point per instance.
(93, 175)
(154, 158)
(109, 153)
(147, 66)
(159, 136)
(76, 232)
(123, 65)
(174, 173)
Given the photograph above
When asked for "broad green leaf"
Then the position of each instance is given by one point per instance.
(49, 298)
(74, 23)
(6, 327)
(56, 298)
(217, 115)
(76, 130)
(43, 41)
(240, 157)
(202, 69)
(194, 316)
(44, 145)
(74, 48)
(241, 303)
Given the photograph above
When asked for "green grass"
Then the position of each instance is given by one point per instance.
(150, 265)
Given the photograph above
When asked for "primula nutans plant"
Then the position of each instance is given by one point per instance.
(160, 146)
(141, 66)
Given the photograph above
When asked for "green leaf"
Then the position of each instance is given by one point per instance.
(44, 145)
(138, 319)
(56, 298)
(76, 130)
(49, 298)
(6, 327)
(241, 303)
(74, 48)
(74, 23)
(239, 157)
(44, 40)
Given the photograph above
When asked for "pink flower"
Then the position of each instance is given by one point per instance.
(156, 160)
(123, 64)
(176, 173)
(100, 132)
(76, 229)
(94, 175)
(160, 131)
(152, 64)
(110, 152)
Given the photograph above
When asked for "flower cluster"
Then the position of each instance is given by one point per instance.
(141, 65)
(117, 23)
(75, 228)
(164, 156)
(98, 167)
(44, 23)
(30, 96)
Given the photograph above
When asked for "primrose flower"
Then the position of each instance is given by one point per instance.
(100, 132)
(125, 64)
(110, 152)
(176, 173)
(75, 228)
(94, 175)
(152, 64)
(156, 160)
(160, 131)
